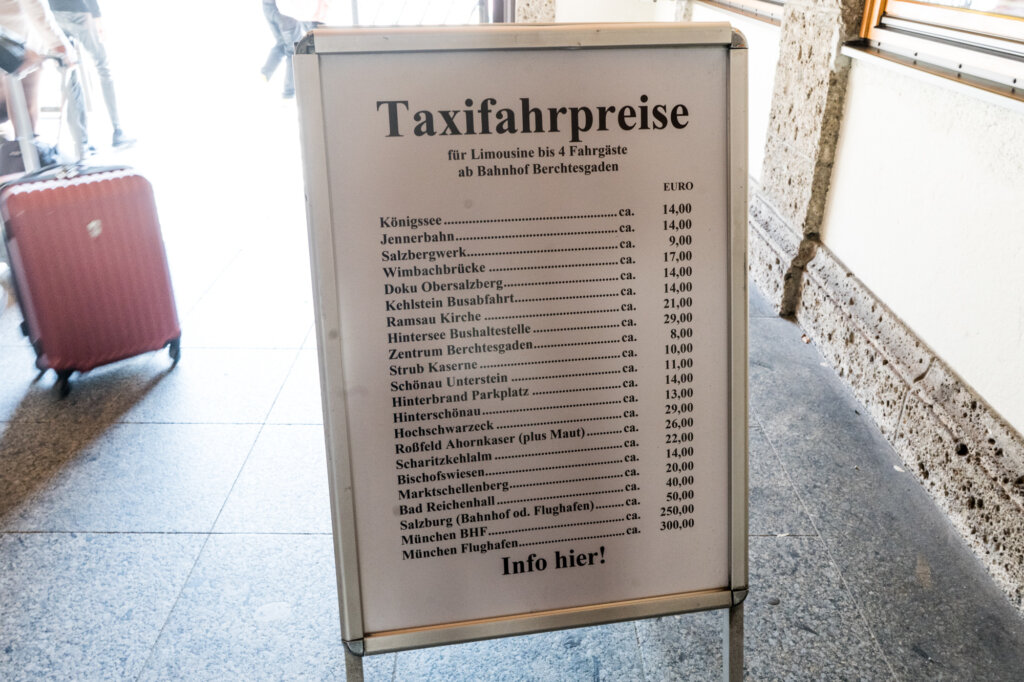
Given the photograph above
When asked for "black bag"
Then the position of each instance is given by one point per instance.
(11, 161)
(12, 52)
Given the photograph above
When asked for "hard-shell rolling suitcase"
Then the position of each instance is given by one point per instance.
(89, 266)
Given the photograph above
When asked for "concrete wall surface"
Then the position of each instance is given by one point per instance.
(887, 222)
(535, 11)
(886, 219)
(925, 207)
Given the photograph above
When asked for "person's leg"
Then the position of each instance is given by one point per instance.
(291, 32)
(277, 52)
(78, 123)
(82, 27)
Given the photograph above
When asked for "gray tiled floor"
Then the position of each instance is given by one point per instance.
(187, 541)
(163, 525)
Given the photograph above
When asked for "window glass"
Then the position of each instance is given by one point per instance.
(1010, 8)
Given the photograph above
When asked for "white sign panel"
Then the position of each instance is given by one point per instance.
(531, 257)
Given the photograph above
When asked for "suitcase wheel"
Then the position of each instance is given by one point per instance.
(64, 382)
(24, 328)
(174, 349)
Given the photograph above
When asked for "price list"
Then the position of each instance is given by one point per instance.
(535, 344)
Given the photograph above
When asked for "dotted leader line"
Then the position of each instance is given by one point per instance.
(589, 537)
(553, 407)
(577, 390)
(521, 253)
(549, 267)
(551, 468)
(562, 281)
(559, 497)
(560, 525)
(562, 421)
(561, 452)
(484, 221)
(571, 312)
(570, 480)
(539, 234)
(548, 362)
(568, 376)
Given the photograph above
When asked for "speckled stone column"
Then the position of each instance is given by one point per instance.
(684, 10)
(535, 11)
(959, 448)
(807, 102)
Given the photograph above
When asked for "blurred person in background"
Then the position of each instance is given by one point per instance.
(80, 20)
(289, 20)
(33, 21)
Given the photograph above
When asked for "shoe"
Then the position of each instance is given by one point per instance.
(121, 140)
(289, 95)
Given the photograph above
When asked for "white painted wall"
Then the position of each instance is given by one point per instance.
(927, 209)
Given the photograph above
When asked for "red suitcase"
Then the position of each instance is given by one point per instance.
(89, 267)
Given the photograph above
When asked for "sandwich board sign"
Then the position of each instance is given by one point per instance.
(528, 249)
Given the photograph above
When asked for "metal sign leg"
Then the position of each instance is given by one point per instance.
(353, 667)
(732, 644)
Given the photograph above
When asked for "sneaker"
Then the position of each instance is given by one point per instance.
(122, 140)
(289, 95)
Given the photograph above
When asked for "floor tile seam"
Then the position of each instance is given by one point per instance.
(247, 533)
(640, 651)
(238, 474)
(280, 389)
(241, 349)
(170, 612)
(310, 331)
(213, 283)
(191, 423)
(835, 564)
(119, 422)
(394, 666)
(256, 440)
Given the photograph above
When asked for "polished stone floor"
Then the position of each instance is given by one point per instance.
(174, 525)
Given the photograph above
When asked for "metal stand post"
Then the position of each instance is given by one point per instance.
(22, 121)
(732, 644)
(353, 667)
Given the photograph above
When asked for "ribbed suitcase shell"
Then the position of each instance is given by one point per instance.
(90, 268)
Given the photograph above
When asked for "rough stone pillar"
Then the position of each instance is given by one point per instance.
(684, 10)
(535, 11)
(957, 446)
(807, 102)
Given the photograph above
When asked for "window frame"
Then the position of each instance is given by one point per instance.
(769, 11)
(967, 45)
